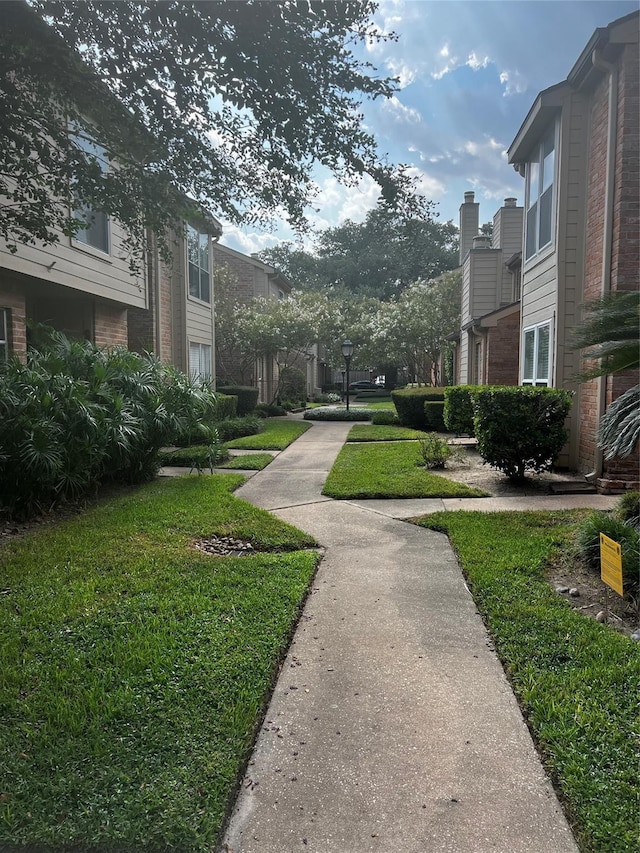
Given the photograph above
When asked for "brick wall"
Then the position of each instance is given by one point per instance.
(625, 245)
(12, 297)
(503, 344)
(111, 328)
(241, 271)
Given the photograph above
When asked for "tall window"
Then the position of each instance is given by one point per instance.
(4, 339)
(536, 355)
(198, 262)
(96, 232)
(540, 178)
(199, 361)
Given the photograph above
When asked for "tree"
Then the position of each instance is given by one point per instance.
(378, 257)
(230, 104)
(412, 331)
(611, 334)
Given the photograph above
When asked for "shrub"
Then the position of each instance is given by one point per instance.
(410, 402)
(198, 457)
(434, 451)
(588, 544)
(520, 428)
(239, 427)
(226, 406)
(628, 508)
(76, 415)
(247, 398)
(292, 385)
(385, 417)
(269, 410)
(330, 414)
(433, 415)
(458, 409)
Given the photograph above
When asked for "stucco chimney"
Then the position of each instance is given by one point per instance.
(469, 223)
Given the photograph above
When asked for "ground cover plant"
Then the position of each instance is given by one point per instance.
(577, 680)
(277, 435)
(135, 665)
(388, 470)
(338, 413)
(375, 432)
(198, 456)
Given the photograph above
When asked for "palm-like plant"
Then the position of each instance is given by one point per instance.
(611, 335)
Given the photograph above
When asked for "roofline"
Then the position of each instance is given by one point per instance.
(549, 101)
(272, 272)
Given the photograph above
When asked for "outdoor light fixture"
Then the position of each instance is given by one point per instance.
(347, 352)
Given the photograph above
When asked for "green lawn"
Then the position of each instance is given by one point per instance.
(578, 681)
(276, 436)
(248, 462)
(134, 667)
(388, 470)
(373, 432)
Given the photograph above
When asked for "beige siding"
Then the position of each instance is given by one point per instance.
(539, 291)
(199, 322)
(81, 268)
(486, 272)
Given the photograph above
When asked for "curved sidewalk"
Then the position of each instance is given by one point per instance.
(392, 726)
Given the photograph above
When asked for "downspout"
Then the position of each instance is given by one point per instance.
(158, 297)
(608, 68)
(214, 240)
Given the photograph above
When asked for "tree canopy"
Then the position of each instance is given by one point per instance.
(229, 104)
(379, 257)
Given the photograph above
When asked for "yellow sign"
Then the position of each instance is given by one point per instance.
(611, 563)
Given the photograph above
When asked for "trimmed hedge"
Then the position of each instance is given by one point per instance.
(247, 398)
(331, 414)
(520, 428)
(458, 409)
(232, 428)
(226, 406)
(410, 406)
(434, 415)
(385, 417)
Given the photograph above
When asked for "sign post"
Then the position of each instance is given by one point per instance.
(610, 569)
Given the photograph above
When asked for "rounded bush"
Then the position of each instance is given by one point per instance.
(385, 417)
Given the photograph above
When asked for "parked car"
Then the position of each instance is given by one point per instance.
(363, 385)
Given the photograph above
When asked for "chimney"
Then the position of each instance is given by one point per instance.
(482, 241)
(469, 224)
(510, 202)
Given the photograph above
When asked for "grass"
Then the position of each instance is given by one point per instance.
(196, 456)
(578, 681)
(380, 403)
(276, 436)
(373, 432)
(248, 462)
(134, 667)
(388, 470)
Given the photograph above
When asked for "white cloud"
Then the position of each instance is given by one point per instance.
(474, 61)
(514, 83)
(430, 187)
(398, 111)
(405, 73)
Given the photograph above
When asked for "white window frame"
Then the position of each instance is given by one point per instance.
(202, 353)
(540, 195)
(536, 334)
(84, 238)
(4, 336)
(195, 268)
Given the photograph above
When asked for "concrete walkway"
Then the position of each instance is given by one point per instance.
(392, 727)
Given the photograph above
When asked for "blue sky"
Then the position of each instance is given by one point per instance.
(469, 71)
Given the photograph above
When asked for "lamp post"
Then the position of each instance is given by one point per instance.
(343, 385)
(347, 352)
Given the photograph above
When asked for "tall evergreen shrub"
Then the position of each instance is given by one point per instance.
(409, 403)
(520, 429)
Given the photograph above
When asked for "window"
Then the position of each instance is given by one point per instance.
(198, 263)
(536, 355)
(96, 232)
(199, 361)
(539, 191)
(4, 339)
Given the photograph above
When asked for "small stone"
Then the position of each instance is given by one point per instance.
(636, 635)
(574, 592)
(600, 616)
(562, 589)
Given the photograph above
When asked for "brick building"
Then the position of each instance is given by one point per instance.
(578, 151)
